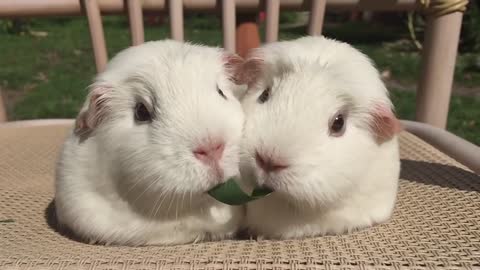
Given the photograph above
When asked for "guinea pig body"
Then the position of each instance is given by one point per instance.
(160, 127)
(320, 132)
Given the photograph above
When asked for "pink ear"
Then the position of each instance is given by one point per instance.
(232, 63)
(243, 71)
(251, 71)
(93, 114)
(384, 123)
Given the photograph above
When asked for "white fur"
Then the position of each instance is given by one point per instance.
(140, 184)
(333, 184)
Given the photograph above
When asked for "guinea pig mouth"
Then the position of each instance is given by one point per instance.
(269, 185)
(272, 182)
(231, 193)
(219, 173)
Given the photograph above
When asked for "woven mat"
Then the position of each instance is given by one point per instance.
(436, 223)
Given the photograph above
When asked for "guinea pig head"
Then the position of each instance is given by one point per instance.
(312, 129)
(165, 117)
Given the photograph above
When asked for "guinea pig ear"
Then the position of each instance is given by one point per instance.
(244, 71)
(232, 63)
(252, 71)
(384, 123)
(94, 110)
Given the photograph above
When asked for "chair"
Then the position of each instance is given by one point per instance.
(436, 222)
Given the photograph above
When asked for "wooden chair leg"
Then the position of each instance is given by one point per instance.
(135, 16)
(228, 24)
(247, 36)
(317, 15)
(438, 64)
(3, 110)
(176, 19)
(96, 33)
(273, 15)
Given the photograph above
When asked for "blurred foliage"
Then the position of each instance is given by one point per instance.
(288, 17)
(203, 21)
(470, 37)
(15, 26)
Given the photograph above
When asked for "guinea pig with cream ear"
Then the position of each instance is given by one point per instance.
(160, 127)
(321, 133)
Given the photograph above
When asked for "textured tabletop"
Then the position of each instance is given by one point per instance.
(436, 222)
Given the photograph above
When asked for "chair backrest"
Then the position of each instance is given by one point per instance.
(175, 9)
(439, 53)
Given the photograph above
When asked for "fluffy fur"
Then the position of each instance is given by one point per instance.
(124, 182)
(332, 184)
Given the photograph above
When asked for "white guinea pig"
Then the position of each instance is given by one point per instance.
(320, 132)
(160, 127)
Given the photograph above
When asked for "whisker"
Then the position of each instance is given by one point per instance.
(183, 198)
(170, 205)
(176, 208)
(133, 186)
(143, 192)
(190, 204)
(160, 205)
(154, 206)
(154, 210)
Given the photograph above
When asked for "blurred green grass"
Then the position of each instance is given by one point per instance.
(46, 77)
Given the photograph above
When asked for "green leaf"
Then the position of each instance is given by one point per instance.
(230, 193)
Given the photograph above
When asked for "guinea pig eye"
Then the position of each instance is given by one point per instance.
(337, 125)
(264, 96)
(141, 113)
(220, 92)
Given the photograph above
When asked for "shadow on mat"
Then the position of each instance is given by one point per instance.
(51, 218)
(439, 175)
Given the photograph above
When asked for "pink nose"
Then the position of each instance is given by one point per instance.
(269, 164)
(210, 152)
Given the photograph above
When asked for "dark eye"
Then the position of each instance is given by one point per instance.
(264, 96)
(141, 113)
(337, 125)
(220, 92)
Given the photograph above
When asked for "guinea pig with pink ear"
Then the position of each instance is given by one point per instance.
(160, 127)
(321, 133)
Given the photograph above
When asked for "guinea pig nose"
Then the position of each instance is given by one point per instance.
(210, 152)
(269, 164)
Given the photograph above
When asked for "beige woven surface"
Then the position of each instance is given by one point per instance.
(436, 223)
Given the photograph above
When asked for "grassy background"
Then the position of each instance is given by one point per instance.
(45, 76)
